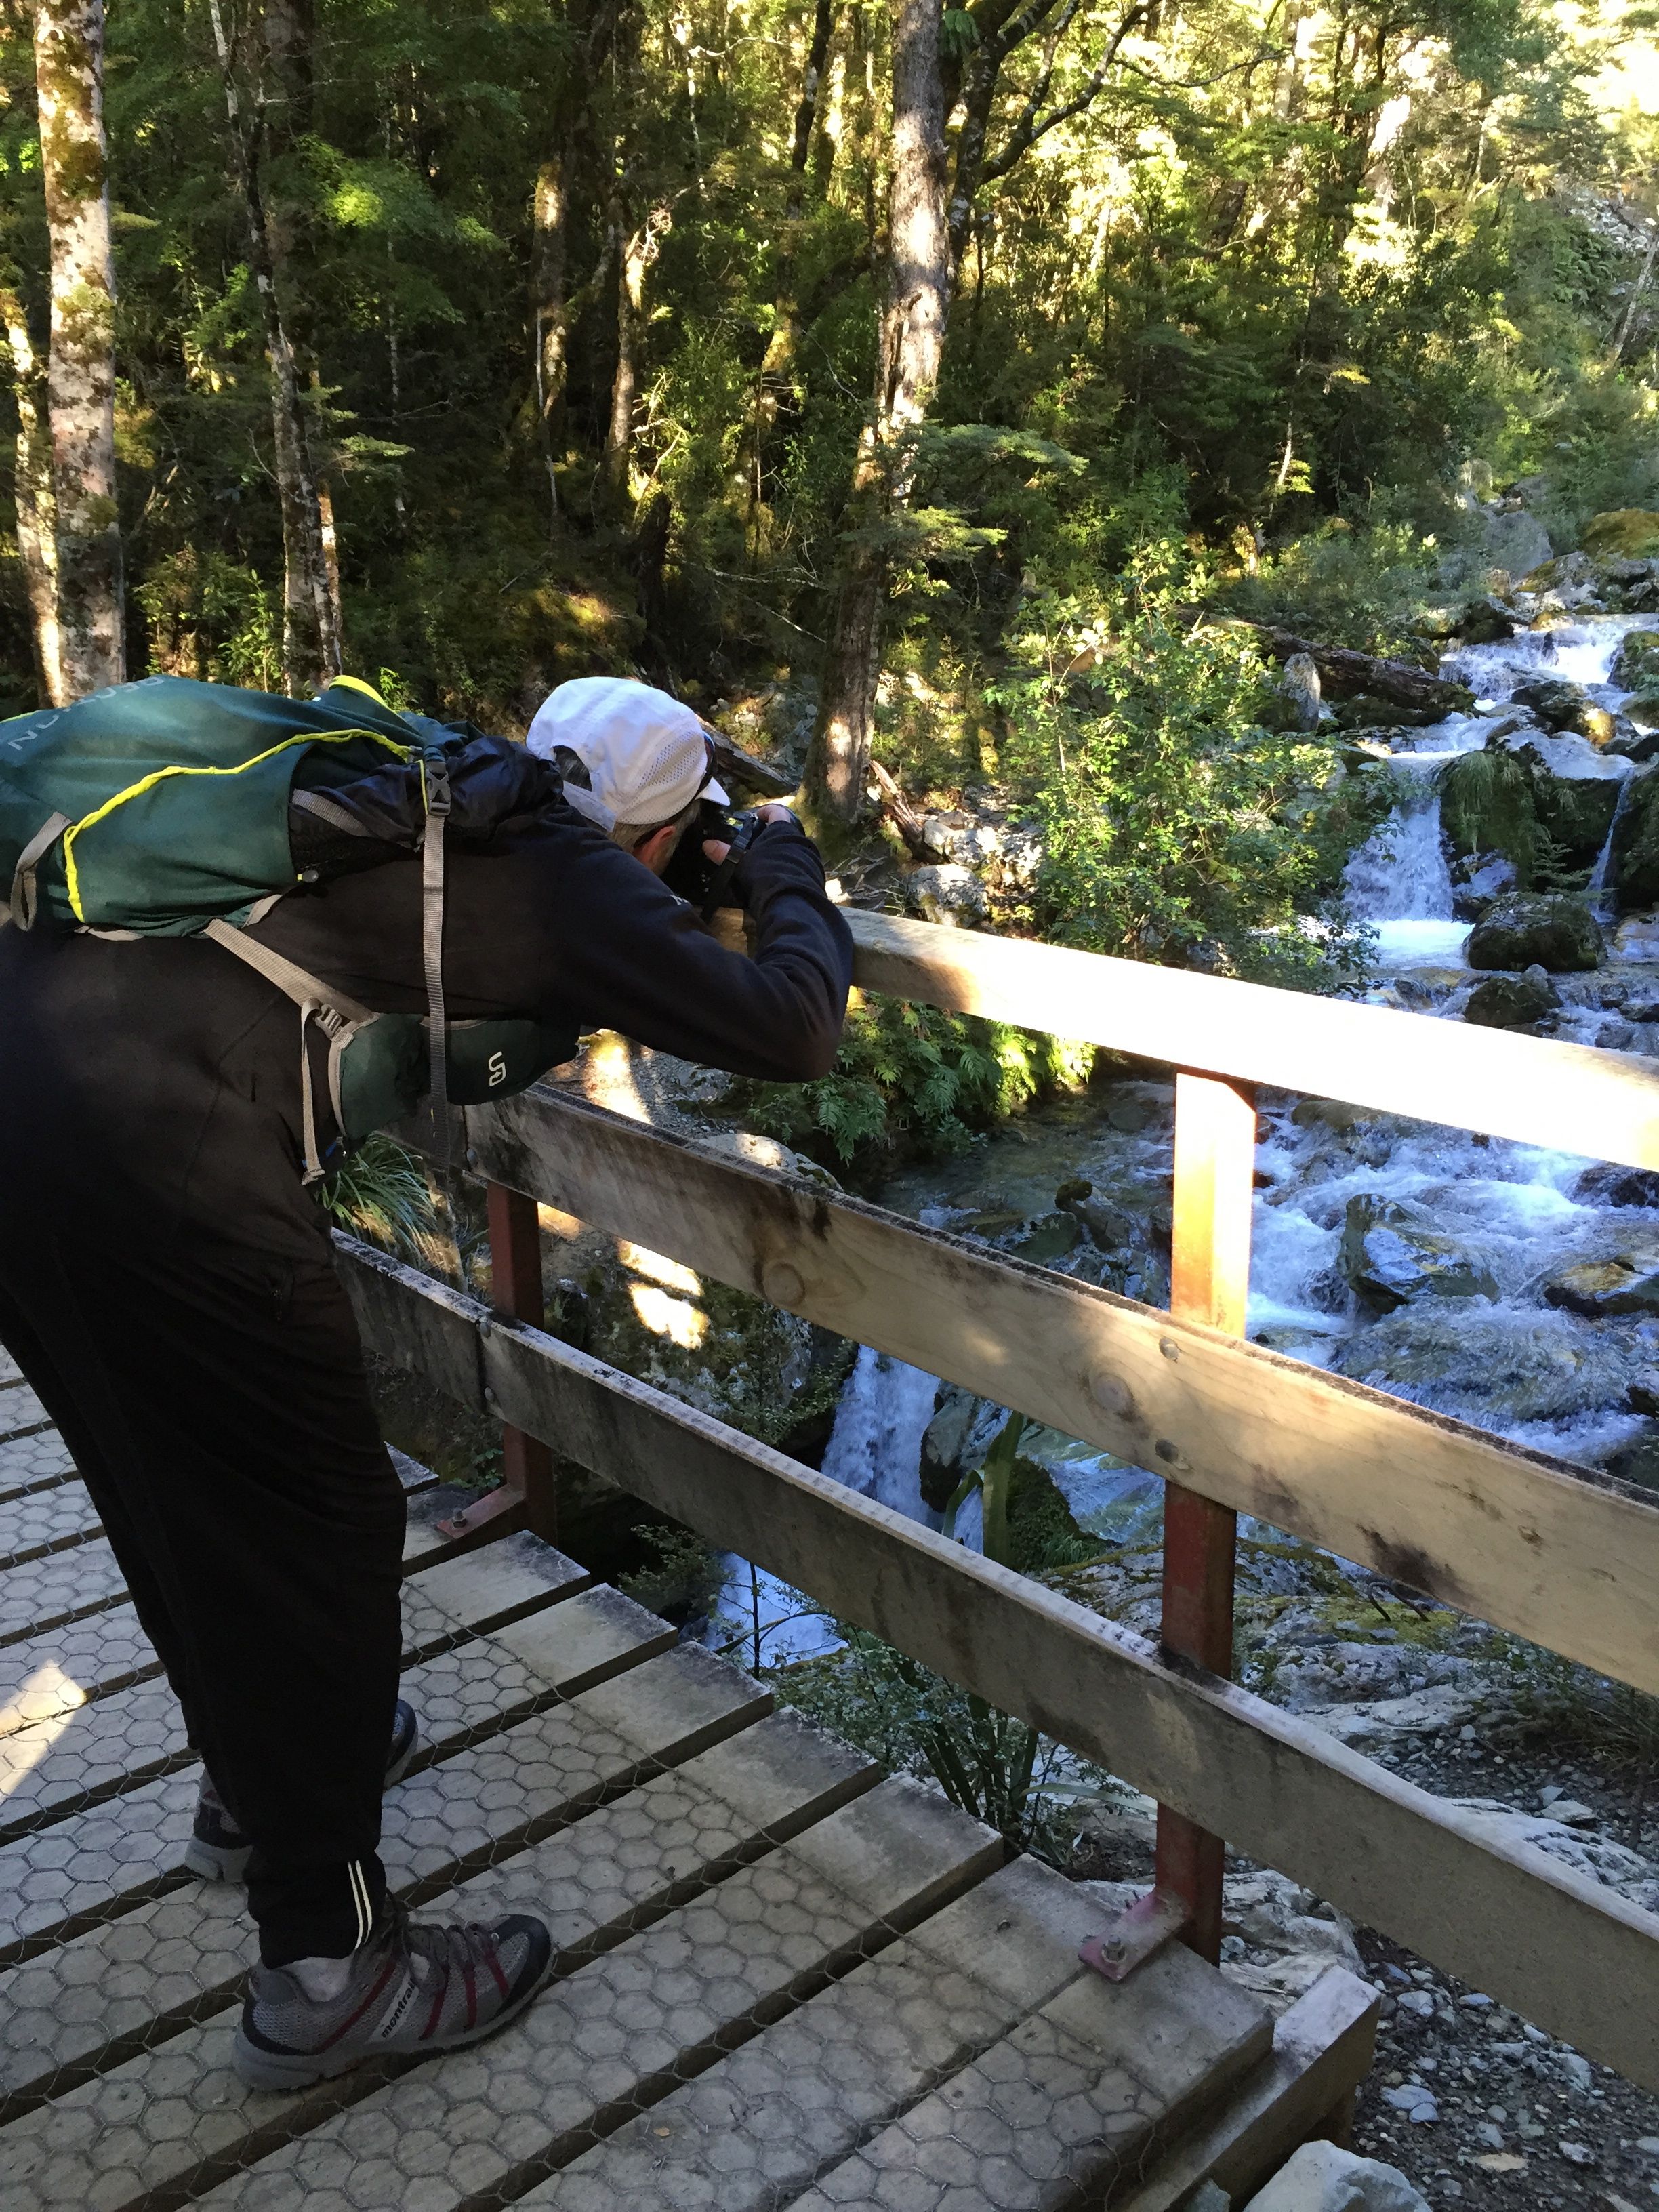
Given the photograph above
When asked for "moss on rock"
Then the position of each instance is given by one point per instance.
(1627, 533)
(1488, 804)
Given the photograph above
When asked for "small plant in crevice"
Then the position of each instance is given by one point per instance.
(380, 1193)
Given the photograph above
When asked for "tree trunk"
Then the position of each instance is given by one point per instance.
(551, 222)
(907, 370)
(68, 63)
(311, 636)
(37, 548)
(635, 253)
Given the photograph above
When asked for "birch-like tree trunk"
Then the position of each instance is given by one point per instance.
(69, 72)
(37, 547)
(918, 298)
(636, 251)
(550, 306)
(311, 632)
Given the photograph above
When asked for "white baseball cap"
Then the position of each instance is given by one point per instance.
(646, 754)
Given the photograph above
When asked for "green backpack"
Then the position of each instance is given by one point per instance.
(169, 808)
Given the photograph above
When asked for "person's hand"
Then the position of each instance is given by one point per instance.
(717, 848)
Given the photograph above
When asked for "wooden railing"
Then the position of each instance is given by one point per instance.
(1528, 1543)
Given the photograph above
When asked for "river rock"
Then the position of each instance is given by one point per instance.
(1576, 811)
(1527, 928)
(1487, 621)
(1602, 1289)
(1389, 1255)
(952, 895)
(1630, 534)
(1638, 1461)
(1633, 868)
(1298, 687)
(1323, 2177)
(1511, 1002)
(1560, 705)
(1637, 660)
(1608, 1183)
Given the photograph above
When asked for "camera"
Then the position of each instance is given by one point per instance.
(700, 882)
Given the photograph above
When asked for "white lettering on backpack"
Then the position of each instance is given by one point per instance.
(497, 1066)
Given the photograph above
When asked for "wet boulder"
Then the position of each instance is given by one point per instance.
(1637, 660)
(1487, 621)
(1525, 929)
(1633, 870)
(1516, 540)
(1638, 1461)
(1629, 533)
(1560, 705)
(1602, 1290)
(1608, 1183)
(1389, 1256)
(1511, 1002)
(1576, 813)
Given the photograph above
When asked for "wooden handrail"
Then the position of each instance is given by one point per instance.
(1527, 1542)
(1568, 1098)
(1429, 1874)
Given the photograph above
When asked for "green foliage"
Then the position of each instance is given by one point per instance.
(913, 1720)
(1488, 805)
(1177, 828)
(1343, 585)
(913, 1080)
(381, 1193)
(683, 1579)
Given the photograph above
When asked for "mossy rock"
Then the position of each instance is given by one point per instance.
(1524, 929)
(1510, 1002)
(1638, 661)
(1577, 812)
(1488, 804)
(1629, 533)
(1634, 874)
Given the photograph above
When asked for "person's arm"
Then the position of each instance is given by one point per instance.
(640, 961)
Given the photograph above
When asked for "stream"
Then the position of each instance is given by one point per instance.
(1466, 1235)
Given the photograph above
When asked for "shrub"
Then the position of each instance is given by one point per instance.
(1177, 828)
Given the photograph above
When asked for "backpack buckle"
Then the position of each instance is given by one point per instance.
(435, 779)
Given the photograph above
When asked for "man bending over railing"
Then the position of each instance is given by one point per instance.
(166, 1278)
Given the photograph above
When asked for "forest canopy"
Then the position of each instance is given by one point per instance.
(825, 361)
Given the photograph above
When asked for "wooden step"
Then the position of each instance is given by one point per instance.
(49, 1519)
(179, 1957)
(618, 2031)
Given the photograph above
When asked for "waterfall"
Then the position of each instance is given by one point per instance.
(875, 1446)
(1400, 874)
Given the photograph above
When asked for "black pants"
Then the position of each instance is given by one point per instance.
(215, 1402)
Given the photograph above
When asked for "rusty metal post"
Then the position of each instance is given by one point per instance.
(1209, 1282)
(528, 1497)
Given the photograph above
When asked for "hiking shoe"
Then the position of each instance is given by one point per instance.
(416, 1988)
(219, 1851)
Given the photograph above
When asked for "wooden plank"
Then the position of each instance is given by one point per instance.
(1512, 1536)
(928, 2040)
(1322, 2050)
(1389, 1854)
(84, 2005)
(1569, 1097)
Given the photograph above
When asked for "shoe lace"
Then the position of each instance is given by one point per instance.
(436, 1947)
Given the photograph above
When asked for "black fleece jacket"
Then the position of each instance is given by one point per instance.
(152, 1087)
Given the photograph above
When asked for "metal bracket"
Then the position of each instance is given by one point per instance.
(1135, 1935)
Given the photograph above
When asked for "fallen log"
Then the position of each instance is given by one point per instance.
(1346, 674)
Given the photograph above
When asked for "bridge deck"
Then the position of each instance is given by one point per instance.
(782, 1980)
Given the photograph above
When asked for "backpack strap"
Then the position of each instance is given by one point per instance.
(24, 902)
(436, 788)
(337, 1015)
